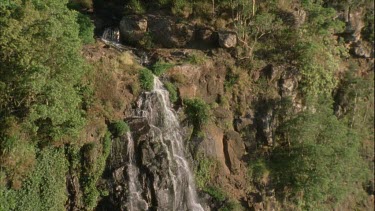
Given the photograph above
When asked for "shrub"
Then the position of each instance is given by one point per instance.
(196, 59)
(86, 29)
(204, 170)
(146, 41)
(119, 128)
(136, 7)
(146, 78)
(197, 111)
(160, 67)
(216, 193)
(181, 7)
(257, 170)
(172, 89)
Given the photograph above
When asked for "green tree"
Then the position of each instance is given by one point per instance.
(318, 159)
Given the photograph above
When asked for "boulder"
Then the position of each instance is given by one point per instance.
(206, 36)
(227, 39)
(168, 33)
(362, 49)
(133, 28)
(299, 16)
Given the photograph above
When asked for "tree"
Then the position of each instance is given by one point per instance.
(318, 158)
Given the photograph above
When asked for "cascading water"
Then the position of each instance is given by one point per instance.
(172, 183)
(111, 34)
(135, 200)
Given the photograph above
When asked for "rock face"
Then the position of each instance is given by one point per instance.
(133, 28)
(362, 49)
(149, 168)
(168, 33)
(234, 150)
(227, 39)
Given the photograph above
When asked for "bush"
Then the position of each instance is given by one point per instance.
(160, 67)
(197, 111)
(204, 171)
(216, 193)
(119, 128)
(172, 89)
(44, 188)
(136, 7)
(86, 29)
(146, 78)
(196, 59)
(257, 170)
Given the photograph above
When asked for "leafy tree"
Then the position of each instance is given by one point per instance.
(41, 68)
(318, 159)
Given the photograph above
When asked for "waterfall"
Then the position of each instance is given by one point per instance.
(175, 189)
(111, 35)
(135, 201)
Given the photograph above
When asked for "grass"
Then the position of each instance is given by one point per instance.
(146, 78)
(161, 67)
(172, 89)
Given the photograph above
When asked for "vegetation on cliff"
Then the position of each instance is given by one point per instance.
(311, 142)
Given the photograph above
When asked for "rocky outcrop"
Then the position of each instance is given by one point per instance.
(168, 32)
(362, 49)
(234, 150)
(133, 28)
(227, 39)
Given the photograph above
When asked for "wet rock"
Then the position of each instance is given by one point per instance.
(234, 149)
(133, 28)
(227, 39)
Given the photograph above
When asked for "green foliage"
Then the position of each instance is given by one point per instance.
(204, 171)
(147, 41)
(217, 193)
(136, 7)
(172, 89)
(119, 128)
(39, 81)
(181, 7)
(80, 4)
(86, 29)
(197, 112)
(95, 157)
(230, 79)
(368, 31)
(318, 160)
(160, 67)
(257, 170)
(146, 78)
(317, 68)
(196, 59)
(44, 188)
(231, 205)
